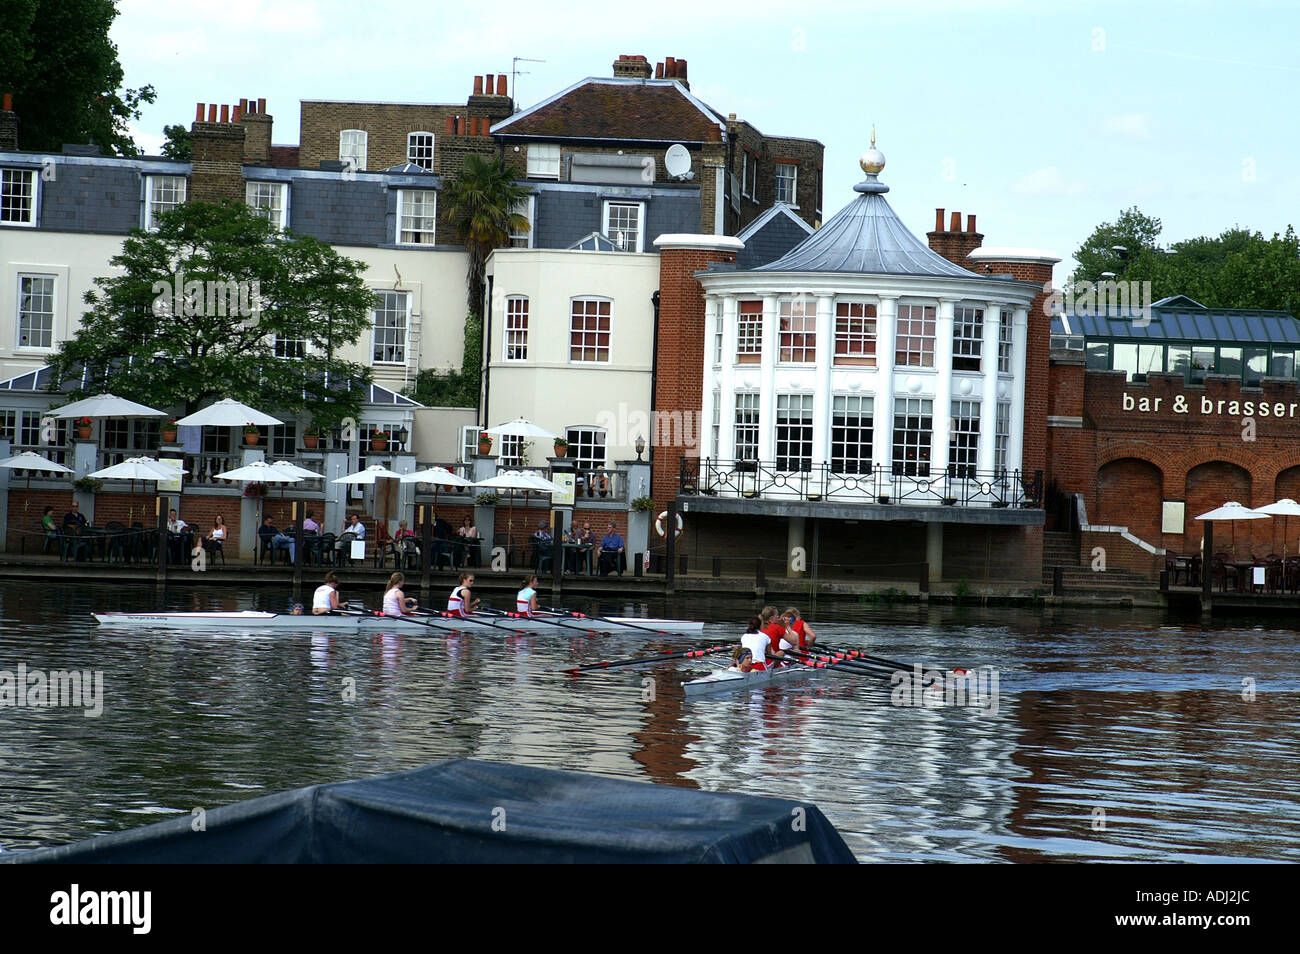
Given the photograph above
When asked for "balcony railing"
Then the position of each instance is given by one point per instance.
(912, 484)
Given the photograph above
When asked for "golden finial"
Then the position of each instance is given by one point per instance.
(873, 160)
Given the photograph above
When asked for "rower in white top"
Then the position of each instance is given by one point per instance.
(462, 602)
(756, 641)
(326, 598)
(526, 599)
(397, 603)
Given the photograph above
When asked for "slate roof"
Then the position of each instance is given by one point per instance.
(1181, 323)
(770, 236)
(618, 108)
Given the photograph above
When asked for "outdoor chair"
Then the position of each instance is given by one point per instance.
(117, 543)
(384, 546)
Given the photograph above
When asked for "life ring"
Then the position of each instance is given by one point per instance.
(659, 524)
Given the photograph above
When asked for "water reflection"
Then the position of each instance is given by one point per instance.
(1112, 739)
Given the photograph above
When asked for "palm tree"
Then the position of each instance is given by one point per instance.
(480, 203)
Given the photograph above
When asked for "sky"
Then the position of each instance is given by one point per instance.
(1044, 119)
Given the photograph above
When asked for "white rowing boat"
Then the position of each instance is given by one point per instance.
(254, 620)
(726, 679)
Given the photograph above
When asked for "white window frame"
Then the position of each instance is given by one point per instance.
(279, 191)
(793, 346)
(513, 448)
(469, 442)
(749, 332)
(577, 436)
(846, 437)
(32, 192)
(609, 346)
(414, 150)
(794, 412)
(1001, 435)
(516, 349)
(746, 423)
(915, 324)
(778, 179)
(543, 160)
(53, 312)
(968, 337)
(383, 294)
(745, 181)
(354, 144)
(1006, 341)
(905, 438)
(428, 221)
(609, 206)
(527, 207)
(287, 349)
(964, 439)
(152, 206)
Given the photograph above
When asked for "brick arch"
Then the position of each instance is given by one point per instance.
(1208, 485)
(1129, 493)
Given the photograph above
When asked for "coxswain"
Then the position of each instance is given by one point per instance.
(799, 626)
(397, 603)
(462, 602)
(742, 659)
(755, 640)
(526, 599)
(326, 598)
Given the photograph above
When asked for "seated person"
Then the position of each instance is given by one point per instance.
(275, 539)
(611, 554)
(217, 535)
(543, 543)
(353, 529)
(76, 517)
(176, 537)
(48, 525)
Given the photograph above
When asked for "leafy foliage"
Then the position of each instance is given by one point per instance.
(57, 60)
(242, 284)
(452, 388)
(1134, 232)
(479, 203)
(178, 144)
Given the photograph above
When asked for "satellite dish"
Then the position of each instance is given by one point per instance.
(677, 160)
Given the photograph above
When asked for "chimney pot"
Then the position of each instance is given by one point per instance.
(460, 125)
(261, 106)
(501, 85)
(670, 67)
(970, 223)
(681, 69)
(489, 83)
(236, 114)
(450, 126)
(198, 112)
(955, 226)
(225, 113)
(938, 220)
(478, 86)
(212, 112)
(243, 106)
(659, 71)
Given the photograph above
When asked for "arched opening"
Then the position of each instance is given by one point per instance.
(1130, 493)
(1210, 485)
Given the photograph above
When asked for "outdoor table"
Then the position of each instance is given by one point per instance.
(573, 552)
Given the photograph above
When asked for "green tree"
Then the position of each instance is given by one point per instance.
(1134, 232)
(57, 60)
(480, 203)
(217, 303)
(177, 143)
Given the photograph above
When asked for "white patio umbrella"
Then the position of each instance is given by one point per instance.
(1285, 508)
(138, 468)
(521, 427)
(1231, 512)
(368, 476)
(439, 477)
(228, 413)
(286, 467)
(513, 480)
(106, 405)
(30, 461)
(259, 471)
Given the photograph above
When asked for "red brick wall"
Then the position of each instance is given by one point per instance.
(1131, 490)
(679, 378)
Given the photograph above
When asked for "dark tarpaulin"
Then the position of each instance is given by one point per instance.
(471, 811)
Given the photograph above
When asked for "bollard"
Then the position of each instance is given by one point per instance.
(1058, 580)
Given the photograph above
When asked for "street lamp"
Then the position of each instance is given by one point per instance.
(640, 447)
(402, 434)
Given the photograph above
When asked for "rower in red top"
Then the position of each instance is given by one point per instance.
(799, 626)
(774, 628)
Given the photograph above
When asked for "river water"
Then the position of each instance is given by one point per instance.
(1110, 736)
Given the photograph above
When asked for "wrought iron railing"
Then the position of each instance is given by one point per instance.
(911, 484)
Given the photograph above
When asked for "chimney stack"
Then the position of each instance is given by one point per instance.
(218, 155)
(632, 66)
(954, 244)
(257, 135)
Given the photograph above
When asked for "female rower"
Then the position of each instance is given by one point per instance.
(773, 627)
(799, 626)
(742, 659)
(462, 602)
(397, 603)
(526, 599)
(755, 640)
(326, 598)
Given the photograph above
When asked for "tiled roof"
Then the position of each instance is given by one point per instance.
(619, 109)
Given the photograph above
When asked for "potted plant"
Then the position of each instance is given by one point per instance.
(561, 447)
(251, 434)
(169, 431)
(255, 489)
(83, 428)
(486, 499)
(379, 440)
(484, 443)
(311, 436)
(88, 485)
(643, 504)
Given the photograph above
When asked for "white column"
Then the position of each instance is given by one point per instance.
(727, 419)
(705, 429)
(822, 387)
(1016, 439)
(767, 388)
(942, 388)
(882, 424)
(989, 398)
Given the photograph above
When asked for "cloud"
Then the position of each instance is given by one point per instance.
(1047, 182)
(1135, 126)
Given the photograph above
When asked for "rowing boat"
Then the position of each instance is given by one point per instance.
(725, 679)
(286, 622)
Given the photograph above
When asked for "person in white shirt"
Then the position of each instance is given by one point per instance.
(397, 603)
(326, 598)
(526, 599)
(755, 640)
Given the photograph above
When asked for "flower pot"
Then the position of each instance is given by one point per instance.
(378, 444)
(252, 439)
(561, 450)
(310, 441)
(484, 447)
(83, 433)
(169, 435)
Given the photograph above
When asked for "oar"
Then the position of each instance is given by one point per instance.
(864, 657)
(502, 614)
(601, 619)
(685, 654)
(842, 663)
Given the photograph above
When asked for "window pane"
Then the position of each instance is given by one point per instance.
(589, 330)
(798, 331)
(851, 434)
(419, 150)
(516, 329)
(914, 341)
(390, 327)
(855, 333)
(913, 435)
(746, 428)
(794, 431)
(417, 217)
(964, 439)
(1098, 356)
(36, 311)
(967, 338)
(18, 196)
(586, 446)
(749, 332)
